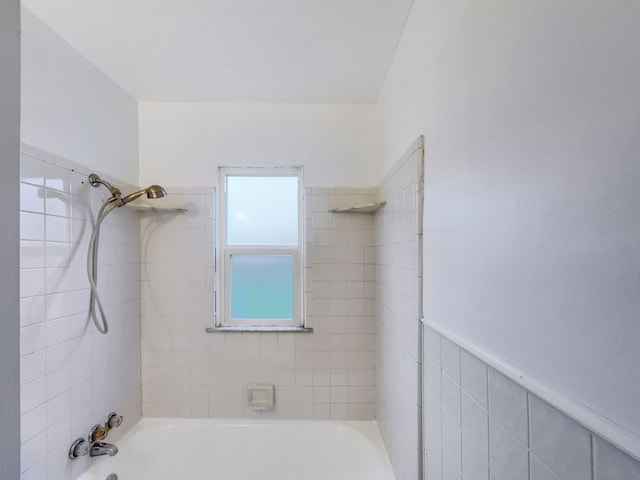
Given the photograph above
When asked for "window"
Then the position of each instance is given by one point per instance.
(260, 255)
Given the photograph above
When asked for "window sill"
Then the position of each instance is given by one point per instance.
(249, 328)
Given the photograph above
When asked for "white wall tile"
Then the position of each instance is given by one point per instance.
(33, 422)
(399, 334)
(32, 309)
(433, 438)
(58, 382)
(450, 357)
(31, 170)
(32, 451)
(33, 394)
(451, 399)
(32, 226)
(57, 203)
(57, 178)
(559, 449)
(613, 464)
(58, 254)
(57, 356)
(58, 229)
(508, 458)
(32, 254)
(303, 367)
(32, 366)
(473, 378)
(32, 198)
(33, 338)
(559, 442)
(474, 465)
(451, 448)
(57, 306)
(32, 282)
(508, 405)
(432, 345)
(56, 341)
(475, 425)
(539, 471)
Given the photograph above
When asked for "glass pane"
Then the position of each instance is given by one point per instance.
(262, 286)
(262, 210)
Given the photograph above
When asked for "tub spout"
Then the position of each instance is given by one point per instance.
(102, 448)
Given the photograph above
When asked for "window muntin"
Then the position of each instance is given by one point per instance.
(261, 247)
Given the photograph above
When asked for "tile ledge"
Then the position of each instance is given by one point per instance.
(258, 329)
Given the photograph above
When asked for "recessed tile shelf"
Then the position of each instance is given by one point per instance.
(368, 208)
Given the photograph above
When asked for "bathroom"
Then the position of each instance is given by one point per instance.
(489, 328)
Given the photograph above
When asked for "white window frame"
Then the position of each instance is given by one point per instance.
(222, 313)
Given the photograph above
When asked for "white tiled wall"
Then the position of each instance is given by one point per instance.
(71, 376)
(399, 290)
(480, 425)
(327, 374)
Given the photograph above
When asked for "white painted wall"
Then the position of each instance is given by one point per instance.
(9, 215)
(530, 112)
(183, 144)
(72, 109)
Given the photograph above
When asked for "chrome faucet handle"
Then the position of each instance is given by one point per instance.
(113, 421)
(98, 432)
(78, 448)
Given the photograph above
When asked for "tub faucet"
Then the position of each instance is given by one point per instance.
(102, 448)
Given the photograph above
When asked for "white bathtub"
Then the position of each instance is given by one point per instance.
(199, 449)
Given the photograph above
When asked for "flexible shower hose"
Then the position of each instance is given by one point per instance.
(99, 318)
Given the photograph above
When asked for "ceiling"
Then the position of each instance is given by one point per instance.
(301, 51)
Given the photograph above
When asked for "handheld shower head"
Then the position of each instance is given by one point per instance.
(96, 310)
(154, 191)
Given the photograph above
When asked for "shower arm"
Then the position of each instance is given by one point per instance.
(132, 196)
(116, 194)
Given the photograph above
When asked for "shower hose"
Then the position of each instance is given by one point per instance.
(99, 317)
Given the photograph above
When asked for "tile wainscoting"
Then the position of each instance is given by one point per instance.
(71, 376)
(481, 425)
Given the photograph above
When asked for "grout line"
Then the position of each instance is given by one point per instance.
(489, 446)
(486, 379)
(528, 421)
(529, 452)
(592, 450)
